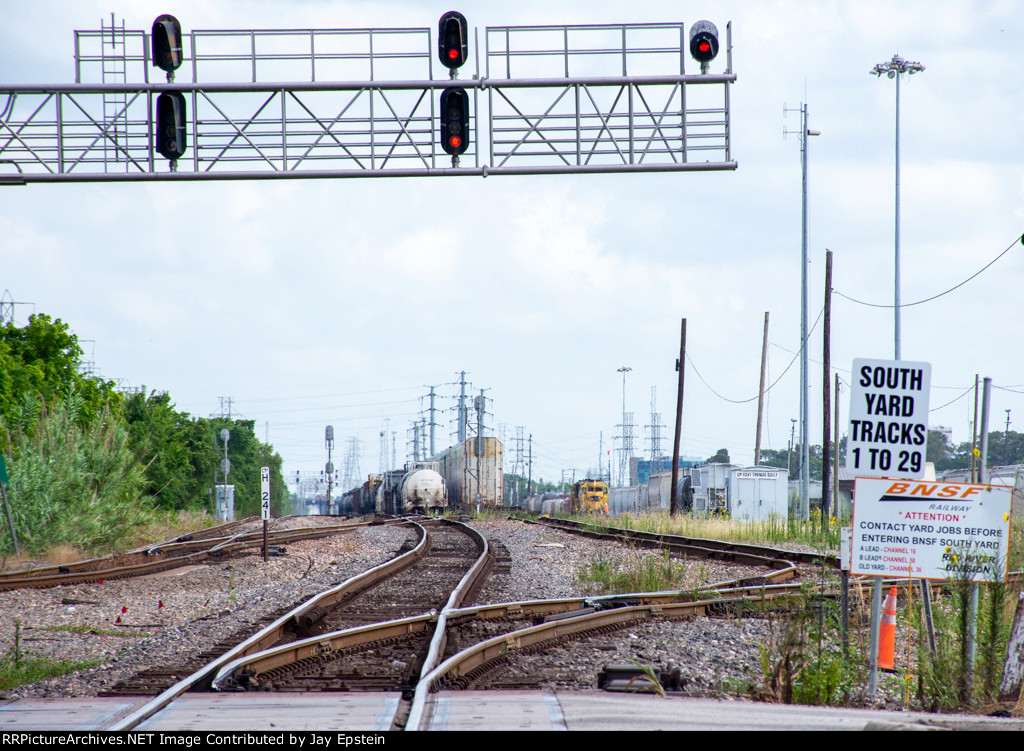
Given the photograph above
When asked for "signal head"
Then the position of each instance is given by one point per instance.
(166, 43)
(454, 121)
(171, 139)
(703, 42)
(453, 40)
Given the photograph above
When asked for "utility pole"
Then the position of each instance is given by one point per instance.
(1006, 440)
(805, 506)
(760, 392)
(681, 368)
(792, 445)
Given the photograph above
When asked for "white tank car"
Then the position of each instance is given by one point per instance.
(423, 490)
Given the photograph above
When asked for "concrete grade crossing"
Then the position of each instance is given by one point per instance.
(472, 711)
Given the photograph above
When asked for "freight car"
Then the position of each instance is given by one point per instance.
(473, 472)
(416, 489)
(423, 488)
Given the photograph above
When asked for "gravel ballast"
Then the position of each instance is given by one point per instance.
(129, 625)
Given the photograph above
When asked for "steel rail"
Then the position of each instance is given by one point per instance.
(515, 641)
(272, 633)
(192, 552)
(476, 574)
(723, 546)
(260, 662)
(101, 560)
(275, 535)
(315, 646)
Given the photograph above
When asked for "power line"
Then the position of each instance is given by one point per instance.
(775, 383)
(935, 297)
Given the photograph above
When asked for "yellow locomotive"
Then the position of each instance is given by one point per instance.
(588, 497)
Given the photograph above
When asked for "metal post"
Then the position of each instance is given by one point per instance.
(805, 430)
(624, 461)
(898, 339)
(895, 69)
(805, 452)
(876, 616)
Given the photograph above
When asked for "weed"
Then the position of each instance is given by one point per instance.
(17, 669)
(648, 573)
(652, 676)
(93, 630)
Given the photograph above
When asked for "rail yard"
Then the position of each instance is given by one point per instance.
(319, 625)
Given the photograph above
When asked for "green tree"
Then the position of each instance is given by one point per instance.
(163, 441)
(778, 458)
(43, 360)
(722, 457)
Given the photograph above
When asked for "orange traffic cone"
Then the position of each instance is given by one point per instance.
(887, 633)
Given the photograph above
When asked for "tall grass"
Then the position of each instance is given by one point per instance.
(773, 529)
(644, 573)
(73, 482)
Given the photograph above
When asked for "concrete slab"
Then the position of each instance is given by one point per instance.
(94, 713)
(266, 711)
(487, 710)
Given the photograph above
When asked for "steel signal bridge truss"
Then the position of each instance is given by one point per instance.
(333, 103)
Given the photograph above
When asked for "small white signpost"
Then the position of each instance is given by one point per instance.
(265, 492)
(265, 506)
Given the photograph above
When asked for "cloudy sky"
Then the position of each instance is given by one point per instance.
(342, 302)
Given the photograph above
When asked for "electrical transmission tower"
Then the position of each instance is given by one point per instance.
(352, 474)
(627, 448)
(655, 428)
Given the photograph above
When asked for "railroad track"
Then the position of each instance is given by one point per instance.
(362, 637)
(335, 643)
(214, 543)
(284, 643)
(757, 555)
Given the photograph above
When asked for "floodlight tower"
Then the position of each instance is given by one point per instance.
(627, 432)
(895, 68)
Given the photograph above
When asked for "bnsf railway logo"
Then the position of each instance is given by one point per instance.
(924, 491)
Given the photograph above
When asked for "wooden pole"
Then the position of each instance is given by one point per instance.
(681, 368)
(760, 392)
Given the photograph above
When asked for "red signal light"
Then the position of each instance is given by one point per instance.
(453, 54)
(455, 142)
(705, 47)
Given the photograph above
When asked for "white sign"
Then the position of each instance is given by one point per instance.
(888, 418)
(265, 491)
(931, 530)
(757, 474)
